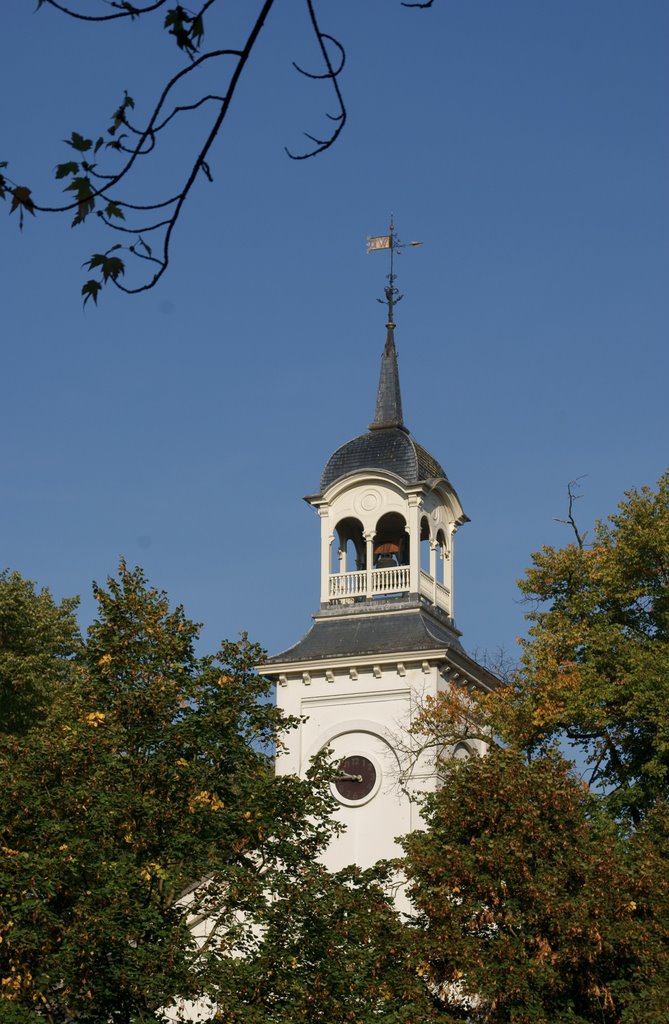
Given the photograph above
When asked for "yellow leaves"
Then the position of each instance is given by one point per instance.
(153, 870)
(631, 905)
(10, 987)
(223, 680)
(105, 661)
(8, 852)
(182, 762)
(544, 950)
(205, 799)
(95, 718)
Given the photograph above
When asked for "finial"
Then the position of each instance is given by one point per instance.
(393, 243)
(388, 412)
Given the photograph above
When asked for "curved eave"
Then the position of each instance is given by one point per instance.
(441, 484)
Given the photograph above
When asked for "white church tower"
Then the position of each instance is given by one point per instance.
(385, 635)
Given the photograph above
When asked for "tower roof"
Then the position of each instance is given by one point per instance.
(387, 445)
(388, 412)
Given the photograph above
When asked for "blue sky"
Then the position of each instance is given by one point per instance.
(526, 144)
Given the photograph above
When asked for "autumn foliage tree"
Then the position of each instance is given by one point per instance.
(150, 775)
(38, 639)
(531, 907)
(542, 891)
(595, 667)
(139, 798)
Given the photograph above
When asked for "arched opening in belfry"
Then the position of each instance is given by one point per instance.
(348, 553)
(442, 556)
(425, 545)
(391, 541)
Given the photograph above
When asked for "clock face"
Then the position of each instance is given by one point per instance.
(357, 776)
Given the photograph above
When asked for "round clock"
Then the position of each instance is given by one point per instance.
(356, 778)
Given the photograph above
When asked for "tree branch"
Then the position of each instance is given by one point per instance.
(570, 521)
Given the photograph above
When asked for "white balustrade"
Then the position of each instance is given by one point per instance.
(435, 592)
(347, 584)
(392, 580)
(426, 585)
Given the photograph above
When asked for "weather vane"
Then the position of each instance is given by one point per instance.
(393, 243)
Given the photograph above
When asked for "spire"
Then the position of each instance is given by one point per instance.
(388, 412)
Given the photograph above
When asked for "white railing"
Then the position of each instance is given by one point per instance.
(394, 580)
(390, 581)
(343, 585)
(435, 592)
(347, 584)
(426, 585)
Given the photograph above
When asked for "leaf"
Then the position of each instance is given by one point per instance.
(90, 291)
(79, 143)
(197, 30)
(62, 170)
(85, 198)
(99, 143)
(21, 201)
(111, 266)
(118, 117)
(112, 209)
(177, 20)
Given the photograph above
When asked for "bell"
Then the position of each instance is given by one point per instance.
(386, 562)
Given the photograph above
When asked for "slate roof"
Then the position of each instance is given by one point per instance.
(388, 411)
(365, 635)
(391, 449)
(387, 445)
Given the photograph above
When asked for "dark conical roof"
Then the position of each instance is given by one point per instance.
(387, 445)
(388, 412)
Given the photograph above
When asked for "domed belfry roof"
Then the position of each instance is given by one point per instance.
(387, 445)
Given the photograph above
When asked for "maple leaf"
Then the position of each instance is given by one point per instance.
(21, 200)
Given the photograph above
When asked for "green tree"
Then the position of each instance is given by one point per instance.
(542, 896)
(531, 908)
(149, 776)
(595, 667)
(331, 947)
(38, 639)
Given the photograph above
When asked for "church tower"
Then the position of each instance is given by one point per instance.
(384, 637)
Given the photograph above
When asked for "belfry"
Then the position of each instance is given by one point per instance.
(384, 637)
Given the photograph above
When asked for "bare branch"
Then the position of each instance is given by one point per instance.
(570, 521)
(89, 184)
(322, 144)
(202, 156)
(125, 10)
(187, 106)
